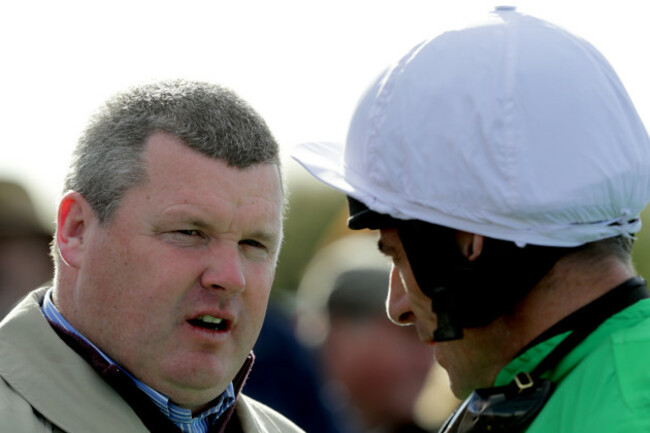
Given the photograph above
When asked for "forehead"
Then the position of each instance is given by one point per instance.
(166, 152)
(178, 174)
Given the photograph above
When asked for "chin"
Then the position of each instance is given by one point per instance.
(195, 384)
(461, 394)
(193, 401)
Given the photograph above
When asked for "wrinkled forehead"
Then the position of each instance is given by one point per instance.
(175, 169)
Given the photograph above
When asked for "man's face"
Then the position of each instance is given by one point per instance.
(175, 286)
(471, 362)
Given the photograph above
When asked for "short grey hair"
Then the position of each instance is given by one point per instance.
(593, 255)
(209, 118)
(619, 247)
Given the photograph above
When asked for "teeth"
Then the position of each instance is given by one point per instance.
(210, 319)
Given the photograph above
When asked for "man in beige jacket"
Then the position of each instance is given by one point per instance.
(167, 239)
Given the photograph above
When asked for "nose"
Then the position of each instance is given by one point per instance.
(397, 303)
(224, 269)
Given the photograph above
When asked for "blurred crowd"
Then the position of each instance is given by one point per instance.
(24, 246)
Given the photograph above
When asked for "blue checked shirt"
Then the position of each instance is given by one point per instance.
(180, 416)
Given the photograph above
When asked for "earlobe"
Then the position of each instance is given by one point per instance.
(470, 244)
(72, 221)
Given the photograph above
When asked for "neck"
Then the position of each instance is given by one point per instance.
(570, 285)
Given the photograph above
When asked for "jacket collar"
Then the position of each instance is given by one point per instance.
(42, 368)
(542, 347)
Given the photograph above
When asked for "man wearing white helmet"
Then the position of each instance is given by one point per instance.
(506, 167)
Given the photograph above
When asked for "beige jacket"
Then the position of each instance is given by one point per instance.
(46, 387)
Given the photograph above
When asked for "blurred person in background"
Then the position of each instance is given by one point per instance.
(25, 261)
(373, 372)
(506, 167)
(286, 375)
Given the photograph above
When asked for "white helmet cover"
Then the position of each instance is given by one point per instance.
(514, 129)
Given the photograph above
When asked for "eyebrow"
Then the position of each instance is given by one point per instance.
(185, 215)
(264, 237)
(199, 223)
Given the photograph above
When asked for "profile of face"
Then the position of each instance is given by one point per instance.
(174, 287)
(471, 362)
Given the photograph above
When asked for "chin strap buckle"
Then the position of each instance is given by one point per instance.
(524, 381)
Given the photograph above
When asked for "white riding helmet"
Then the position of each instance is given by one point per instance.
(514, 129)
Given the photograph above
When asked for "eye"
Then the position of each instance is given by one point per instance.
(254, 250)
(189, 232)
(252, 243)
(185, 237)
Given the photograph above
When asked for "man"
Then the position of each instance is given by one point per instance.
(165, 248)
(24, 246)
(373, 371)
(378, 368)
(506, 168)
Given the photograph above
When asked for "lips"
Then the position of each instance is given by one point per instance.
(211, 323)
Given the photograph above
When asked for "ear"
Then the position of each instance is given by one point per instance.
(73, 219)
(470, 244)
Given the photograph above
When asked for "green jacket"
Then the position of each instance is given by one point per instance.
(603, 385)
(46, 387)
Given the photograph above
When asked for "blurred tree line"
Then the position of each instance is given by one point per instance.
(311, 222)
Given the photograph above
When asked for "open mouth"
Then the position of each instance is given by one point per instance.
(210, 322)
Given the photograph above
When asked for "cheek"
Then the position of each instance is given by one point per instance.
(259, 277)
(150, 262)
(141, 276)
(259, 280)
